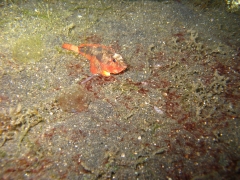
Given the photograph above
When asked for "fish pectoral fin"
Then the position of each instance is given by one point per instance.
(95, 66)
(105, 73)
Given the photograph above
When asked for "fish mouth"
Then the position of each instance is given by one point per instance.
(119, 70)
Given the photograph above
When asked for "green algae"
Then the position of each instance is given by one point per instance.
(28, 49)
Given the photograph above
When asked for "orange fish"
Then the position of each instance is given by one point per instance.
(103, 59)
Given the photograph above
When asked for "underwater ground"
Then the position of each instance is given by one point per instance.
(173, 114)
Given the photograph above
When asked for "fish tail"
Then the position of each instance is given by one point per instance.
(70, 47)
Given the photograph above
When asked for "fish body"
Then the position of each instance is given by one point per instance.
(103, 59)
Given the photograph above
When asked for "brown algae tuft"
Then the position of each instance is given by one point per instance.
(75, 100)
(28, 49)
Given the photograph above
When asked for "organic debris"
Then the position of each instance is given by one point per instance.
(17, 122)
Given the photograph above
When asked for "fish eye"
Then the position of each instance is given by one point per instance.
(114, 60)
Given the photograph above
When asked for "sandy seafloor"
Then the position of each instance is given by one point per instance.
(173, 114)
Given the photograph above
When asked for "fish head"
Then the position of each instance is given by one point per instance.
(103, 59)
(114, 64)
